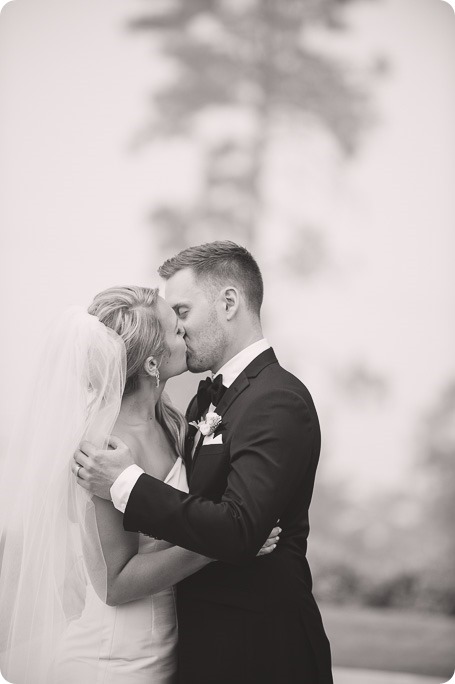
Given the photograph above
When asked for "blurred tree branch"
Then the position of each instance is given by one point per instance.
(249, 56)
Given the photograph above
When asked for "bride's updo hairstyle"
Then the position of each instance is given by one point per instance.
(132, 313)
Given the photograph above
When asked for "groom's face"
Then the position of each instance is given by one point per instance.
(201, 317)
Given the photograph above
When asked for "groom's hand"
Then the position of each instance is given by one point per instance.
(99, 468)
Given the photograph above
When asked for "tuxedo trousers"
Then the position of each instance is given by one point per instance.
(228, 644)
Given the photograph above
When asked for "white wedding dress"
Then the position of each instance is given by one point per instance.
(134, 643)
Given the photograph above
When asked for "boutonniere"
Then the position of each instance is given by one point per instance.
(212, 423)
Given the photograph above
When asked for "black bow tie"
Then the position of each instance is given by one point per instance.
(209, 392)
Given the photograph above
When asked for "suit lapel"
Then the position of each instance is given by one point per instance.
(192, 409)
(240, 384)
(189, 441)
(232, 393)
(243, 380)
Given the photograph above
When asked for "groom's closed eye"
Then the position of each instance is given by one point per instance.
(181, 311)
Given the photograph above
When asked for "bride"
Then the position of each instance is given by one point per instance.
(81, 600)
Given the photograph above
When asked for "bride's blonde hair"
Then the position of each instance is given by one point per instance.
(132, 313)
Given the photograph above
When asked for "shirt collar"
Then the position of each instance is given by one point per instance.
(232, 368)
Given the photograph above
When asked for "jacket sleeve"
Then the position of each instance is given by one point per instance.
(270, 453)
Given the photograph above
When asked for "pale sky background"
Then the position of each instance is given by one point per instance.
(75, 199)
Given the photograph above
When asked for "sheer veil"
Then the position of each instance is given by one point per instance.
(49, 544)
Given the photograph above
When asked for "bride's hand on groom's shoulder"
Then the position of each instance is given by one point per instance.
(97, 469)
(271, 542)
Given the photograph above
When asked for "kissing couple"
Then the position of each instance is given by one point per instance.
(140, 546)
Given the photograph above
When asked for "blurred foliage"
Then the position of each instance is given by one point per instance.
(240, 75)
(438, 459)
(362, 384)
(247, 60)
(438, 494)
(307, 254)
(397, 550)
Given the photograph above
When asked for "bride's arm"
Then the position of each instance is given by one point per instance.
(149, 573)
(131, 575)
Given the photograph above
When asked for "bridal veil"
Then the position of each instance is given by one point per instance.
(49, 543)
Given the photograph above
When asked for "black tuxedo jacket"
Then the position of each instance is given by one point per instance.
(246, 619)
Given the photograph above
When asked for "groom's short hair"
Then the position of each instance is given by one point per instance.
(221, 262)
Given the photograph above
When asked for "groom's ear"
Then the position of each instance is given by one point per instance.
(231, 301)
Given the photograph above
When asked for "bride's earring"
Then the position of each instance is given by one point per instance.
(156, 373)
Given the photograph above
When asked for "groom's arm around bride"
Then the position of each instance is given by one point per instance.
(270, 443)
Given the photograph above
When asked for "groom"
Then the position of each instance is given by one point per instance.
(242, 620)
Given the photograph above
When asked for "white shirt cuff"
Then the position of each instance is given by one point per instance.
(123, 485)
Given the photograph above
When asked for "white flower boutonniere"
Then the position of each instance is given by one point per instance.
(209, 424)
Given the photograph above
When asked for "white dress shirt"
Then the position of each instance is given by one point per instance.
(123, 485)
(232, 368)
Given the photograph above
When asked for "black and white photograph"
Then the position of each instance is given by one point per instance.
(227, 426)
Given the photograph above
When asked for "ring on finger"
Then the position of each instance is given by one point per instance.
(78, 469)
